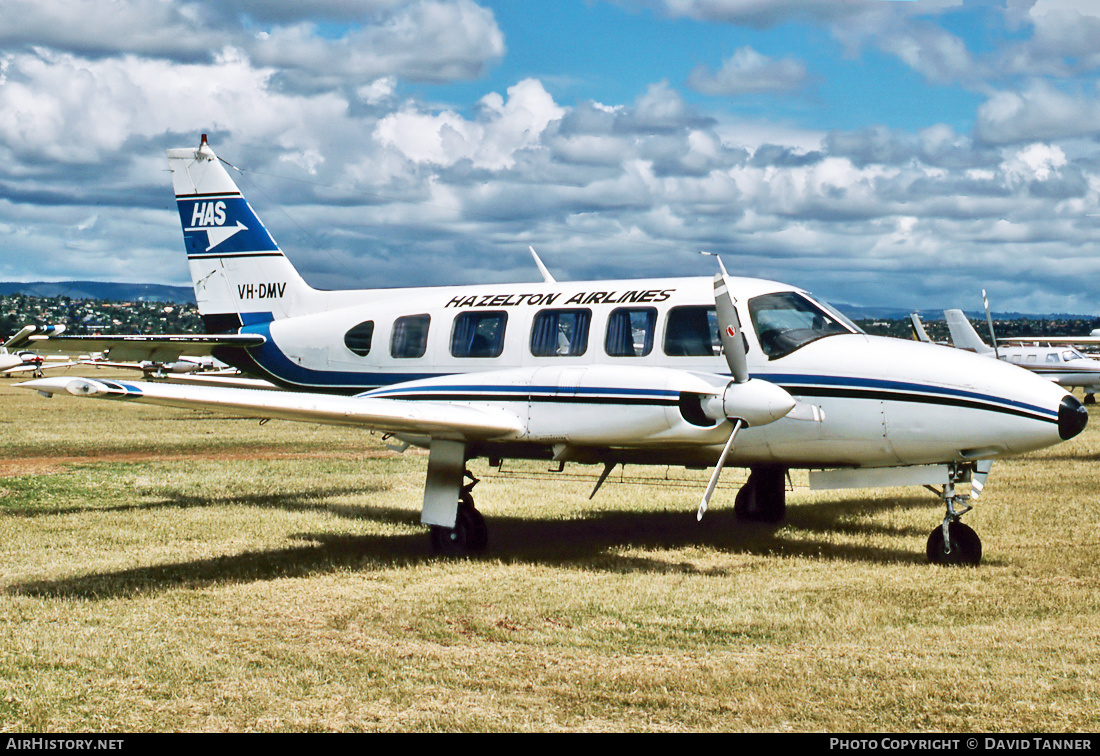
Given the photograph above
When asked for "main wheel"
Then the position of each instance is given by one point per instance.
(966, 547)
(763, 498)
(469, 535)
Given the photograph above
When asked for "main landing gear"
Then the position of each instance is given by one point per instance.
(470, 535)
(953, 542)
(763, 497)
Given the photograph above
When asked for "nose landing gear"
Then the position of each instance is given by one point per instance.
(953, 543)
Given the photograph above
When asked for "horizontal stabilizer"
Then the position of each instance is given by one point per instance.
(1081, 340)
(164, 348)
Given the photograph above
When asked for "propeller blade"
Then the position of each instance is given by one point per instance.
(737, 424)
(729, 330)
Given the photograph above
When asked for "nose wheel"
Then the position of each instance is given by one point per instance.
(954, 543)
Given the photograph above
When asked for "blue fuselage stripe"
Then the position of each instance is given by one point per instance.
(288, 373)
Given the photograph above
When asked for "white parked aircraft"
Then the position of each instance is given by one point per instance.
(27, 360)
(1062, 364)
(654, 371)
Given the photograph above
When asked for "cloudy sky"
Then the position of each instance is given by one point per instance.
(877, 152)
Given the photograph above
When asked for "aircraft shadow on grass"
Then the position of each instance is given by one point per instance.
(592, 541)
(299, 501)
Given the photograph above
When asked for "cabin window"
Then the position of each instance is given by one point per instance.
(1031, 359)
(410, 336)
(1053, 358)
(630, 331)
(358, 338)
(692, 332)
(560, 333)
(478, 334)
(787, 320)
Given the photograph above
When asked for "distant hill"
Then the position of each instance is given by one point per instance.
(856, 312)
(118, 292)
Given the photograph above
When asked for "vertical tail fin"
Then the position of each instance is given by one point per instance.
(963, 334)
(918, 328)
(240, 275)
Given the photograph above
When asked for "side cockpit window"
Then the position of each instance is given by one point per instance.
(358, 338)
(692, 332)
(787, 320)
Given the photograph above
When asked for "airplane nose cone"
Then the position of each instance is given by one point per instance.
(1072, 418)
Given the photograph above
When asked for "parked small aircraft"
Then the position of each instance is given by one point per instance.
(28, 360)
(1062, 364)
(656, 371)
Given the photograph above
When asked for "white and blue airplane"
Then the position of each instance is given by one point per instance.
(16, 359)
(653, 371)
(1062, 364)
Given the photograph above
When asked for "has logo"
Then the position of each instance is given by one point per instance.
(210, 216)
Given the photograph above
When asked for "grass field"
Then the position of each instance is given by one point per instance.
(165, 570)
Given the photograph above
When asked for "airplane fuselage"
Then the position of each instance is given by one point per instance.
(1064, 365)
(571, 357)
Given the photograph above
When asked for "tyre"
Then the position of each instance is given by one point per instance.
(469, 535)
(966, 547)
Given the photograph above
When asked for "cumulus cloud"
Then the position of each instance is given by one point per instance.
(1065, 37)
(421, 40)
(1038, 111)
(427, 40)
(58, 107)
(749, 72)
(491, 142)
(364, 181)
(760, 13)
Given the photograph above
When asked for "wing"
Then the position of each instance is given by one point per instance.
(1050, 340)
(135, 348)
(33, 367)
(441, 420)
(29, 333)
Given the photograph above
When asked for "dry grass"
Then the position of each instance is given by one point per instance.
(168, 571)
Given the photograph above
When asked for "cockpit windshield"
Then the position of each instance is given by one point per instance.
(786, 320)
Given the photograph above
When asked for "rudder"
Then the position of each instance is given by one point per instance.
(239, 273)
(963, 334)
